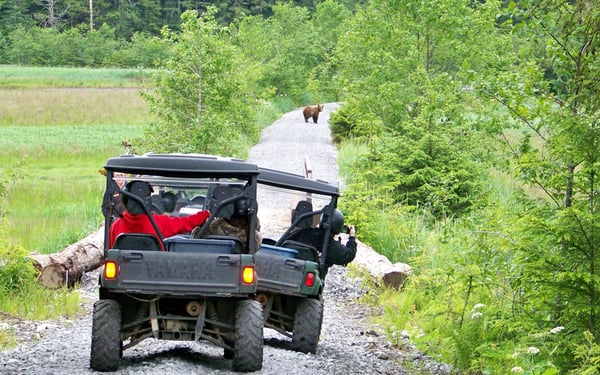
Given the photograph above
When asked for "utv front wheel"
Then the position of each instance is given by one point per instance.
(248, 346)
(106, 336)
(307, 325)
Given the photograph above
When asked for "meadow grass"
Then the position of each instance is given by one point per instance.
(57, 128)
(35, 77)
(41, 304)
(56, 199)
(72, 106)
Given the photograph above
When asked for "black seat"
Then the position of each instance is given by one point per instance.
(302, 207)
(300, 220)
(157, 204)
(269, 241)
(137, 241)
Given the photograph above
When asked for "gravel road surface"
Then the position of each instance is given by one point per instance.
(349, 344)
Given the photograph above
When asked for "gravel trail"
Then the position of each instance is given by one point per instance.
(349, 343)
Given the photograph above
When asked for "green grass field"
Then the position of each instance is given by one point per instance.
(40, 77)
(57, 128)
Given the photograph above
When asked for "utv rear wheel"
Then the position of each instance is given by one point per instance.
(106, 336)
(248, 346)
(307, 325)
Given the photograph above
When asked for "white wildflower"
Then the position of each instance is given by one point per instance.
(478, 306)
(476, 315)
(532, 350)
(557, 329)
(516, 354)
(517, 369)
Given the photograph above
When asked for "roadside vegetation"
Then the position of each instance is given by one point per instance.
(468, 139)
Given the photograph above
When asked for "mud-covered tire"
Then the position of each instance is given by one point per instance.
(107, 347)
(307, 325)
(249, 339)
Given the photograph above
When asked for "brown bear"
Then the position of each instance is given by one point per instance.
(312, 112)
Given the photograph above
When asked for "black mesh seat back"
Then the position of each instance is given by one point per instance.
(302, 207)
(143, 191)
(169, 201)
(137, 241)
(219, 194)
(157, 205)
(305, 252)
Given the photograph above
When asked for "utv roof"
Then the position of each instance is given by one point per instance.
(201, 165)
(292, 181)
(181, 165)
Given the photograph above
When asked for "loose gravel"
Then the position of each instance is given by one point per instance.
(349, 343)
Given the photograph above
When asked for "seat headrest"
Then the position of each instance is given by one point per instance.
(140, 189)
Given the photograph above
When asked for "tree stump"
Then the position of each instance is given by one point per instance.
(67, 267)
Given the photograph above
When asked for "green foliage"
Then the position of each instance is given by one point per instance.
(203, 99)
(402, 70)
(293, 50)
(330, 22)
(16, 272)
(79, 47)
(146, 16)
(558, 247)
(509, 283)
(587, 354)
(464, 302)
(29, 300)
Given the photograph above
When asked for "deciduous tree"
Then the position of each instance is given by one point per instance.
(202, 100)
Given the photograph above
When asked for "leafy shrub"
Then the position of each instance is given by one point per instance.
(16, 271)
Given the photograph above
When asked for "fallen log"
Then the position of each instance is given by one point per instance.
(384, 272)
(67, 267)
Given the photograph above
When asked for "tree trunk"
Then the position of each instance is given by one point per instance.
(383, 271)
(67, 267)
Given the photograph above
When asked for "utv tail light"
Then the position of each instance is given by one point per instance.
(248, 275)
(309, 280)
(110, 269)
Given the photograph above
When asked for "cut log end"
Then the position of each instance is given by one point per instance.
(385, 273)
(52, 276)
(67, 267)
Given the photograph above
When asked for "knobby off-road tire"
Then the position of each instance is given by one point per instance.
(307, 325)
(249, 339)
(106, 336)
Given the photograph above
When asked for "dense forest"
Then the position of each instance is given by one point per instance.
(469, 131)
(126, 17)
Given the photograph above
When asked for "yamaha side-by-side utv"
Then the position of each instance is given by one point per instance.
(183, 287)
(291, 274)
